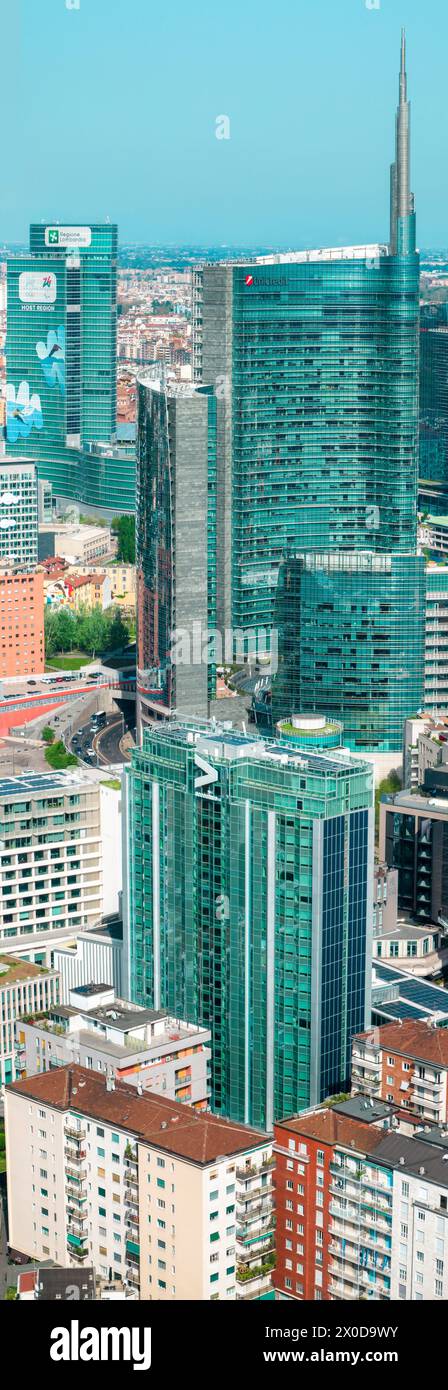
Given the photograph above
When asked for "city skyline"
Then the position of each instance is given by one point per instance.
(186, 174)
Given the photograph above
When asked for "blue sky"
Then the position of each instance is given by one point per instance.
(112, 112)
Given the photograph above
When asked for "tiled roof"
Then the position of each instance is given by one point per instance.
(328, 1127)
(194, 1135)
(411, 1038)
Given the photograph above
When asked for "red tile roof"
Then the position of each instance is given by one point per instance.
(194, 1135)
(328, 1127)
(411, 1038)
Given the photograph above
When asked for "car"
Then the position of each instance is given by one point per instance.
(31, 682)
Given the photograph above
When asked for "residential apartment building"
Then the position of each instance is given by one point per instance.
(436, 639)
(50, 855)
(24, 989)
(22, 646)
(421, 949)
(425, 745)
(18, 513)
(405, 1062)
(175, 1203)
(362, 1207)
(139, 1046)
(247, 907)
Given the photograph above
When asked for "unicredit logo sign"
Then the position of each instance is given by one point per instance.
(266, 281)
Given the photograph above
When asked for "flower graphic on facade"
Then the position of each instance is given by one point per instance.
(52, 358)
(23, 412)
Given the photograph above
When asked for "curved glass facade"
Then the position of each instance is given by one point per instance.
(61, 349)
(351, 643)
(317, 364)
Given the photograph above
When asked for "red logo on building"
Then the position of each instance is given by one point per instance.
(249, 279)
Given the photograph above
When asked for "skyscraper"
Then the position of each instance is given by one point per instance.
(176, 554)
(433, 487)
(314, 358)
(247, 907)
(61, 362)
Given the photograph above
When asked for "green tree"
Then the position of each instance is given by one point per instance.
(123, 528)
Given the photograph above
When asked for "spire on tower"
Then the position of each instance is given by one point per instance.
(401, 199)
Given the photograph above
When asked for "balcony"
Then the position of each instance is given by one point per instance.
(256, 1250)
(73, 1132)
(243, 1174)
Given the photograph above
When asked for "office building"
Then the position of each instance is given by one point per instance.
(247, 907)
(146, 1049)
(314, 359)
(433, 487)
(175, 1203)
(24, 989)
(350, 640)
(61, 363)
(51, 855)
(413, 838)
(83, 545)
(22, 645)
(405, 1062)
(176, 560)
(18, 513)
(372, 1206)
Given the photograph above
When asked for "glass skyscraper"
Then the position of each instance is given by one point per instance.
(314, 359)
(434, 408)
(176, 550)
(247, 907)
(61, 363)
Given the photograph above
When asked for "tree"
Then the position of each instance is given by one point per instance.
(123, 528)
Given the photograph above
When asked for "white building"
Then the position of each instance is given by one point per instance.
(18, 513)
(96, 954)
(50, 855)
(149, 1192)
(138, 1046)
(24, 989)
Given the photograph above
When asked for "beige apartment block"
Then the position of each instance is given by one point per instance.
(174, 1203)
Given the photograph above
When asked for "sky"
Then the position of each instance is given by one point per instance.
(113, 109)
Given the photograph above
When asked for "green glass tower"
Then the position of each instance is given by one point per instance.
(247, 907)
(61, 363)
(314, 358)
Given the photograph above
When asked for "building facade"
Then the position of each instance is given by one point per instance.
(24, 989)
(436, 639)
(176, 561)
(138, 1046)
(22, 639)
(174, 1203)
(371, 1219)
(50, 857)
(350, 639)
(413, 838)
(248, 905)
(18, 513)
(61, 362)
(405, 1062)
